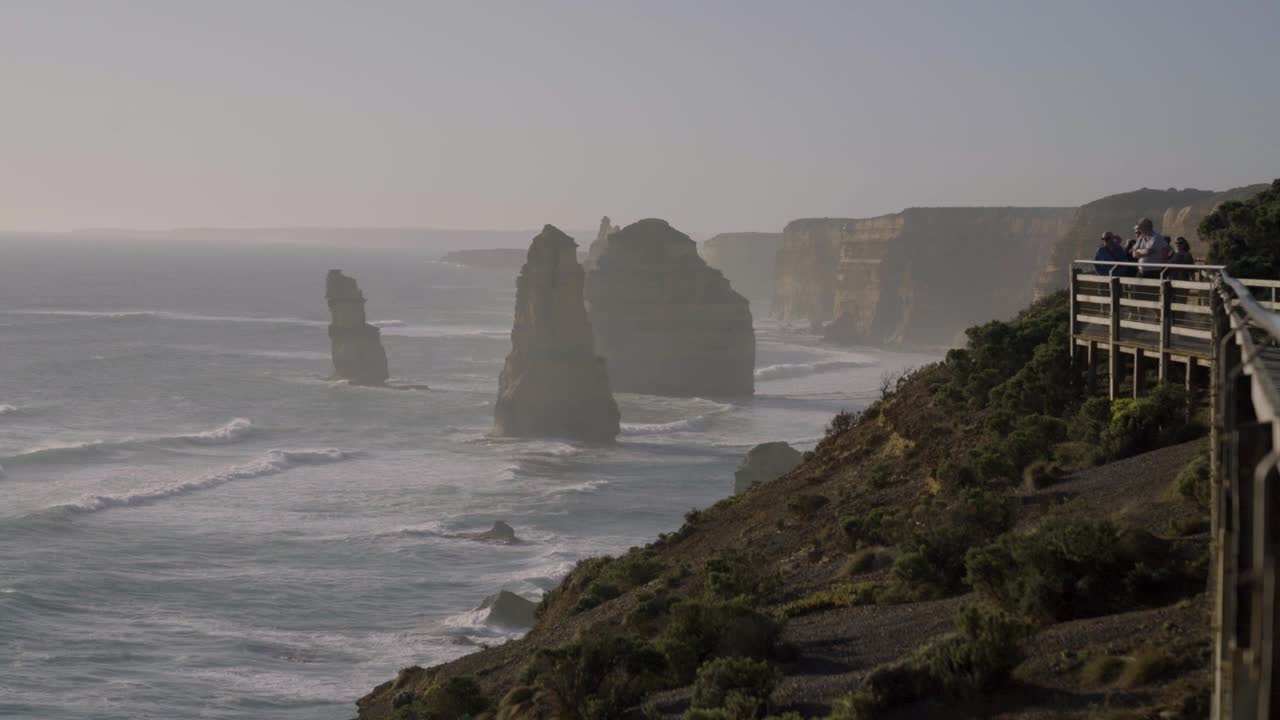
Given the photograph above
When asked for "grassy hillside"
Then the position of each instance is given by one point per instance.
(983, 541)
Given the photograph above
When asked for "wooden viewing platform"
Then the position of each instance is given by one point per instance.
(1147, 323)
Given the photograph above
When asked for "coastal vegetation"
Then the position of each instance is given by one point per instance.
(937, 501)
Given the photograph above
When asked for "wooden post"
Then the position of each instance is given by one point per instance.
(1091, 371)
(1166, 323)
(1113, 335)
(1139, 373)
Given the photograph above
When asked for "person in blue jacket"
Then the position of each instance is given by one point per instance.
(1110, 249)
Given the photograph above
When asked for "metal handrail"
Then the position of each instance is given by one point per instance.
(1257, 315)
(1164, 267)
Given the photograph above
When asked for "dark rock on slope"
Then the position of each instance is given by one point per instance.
(356, 346)
(765, 462)
(553, 385)
(509, 609)
(665, 321)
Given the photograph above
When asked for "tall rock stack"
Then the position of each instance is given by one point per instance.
(666, 322)
(356, 345)
(607, 228)
(553, 384)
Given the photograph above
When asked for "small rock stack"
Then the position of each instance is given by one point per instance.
(356, 346)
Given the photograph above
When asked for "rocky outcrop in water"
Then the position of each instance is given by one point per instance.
(553, 384)
(356, 346)
(918, 277)
(765, 462)
(665, 321)
(747, 259)
(598, 245)
(509, 609)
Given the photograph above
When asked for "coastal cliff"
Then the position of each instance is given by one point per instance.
(356, 346)
(1175, 213)
(917, 277)
(666, 322)
(747, 260)
(552, 384)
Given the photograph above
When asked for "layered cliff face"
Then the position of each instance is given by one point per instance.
(747, 260)
(356, 346)
(553, 384)
(1175, 213)
(665, 321)
(917, 277)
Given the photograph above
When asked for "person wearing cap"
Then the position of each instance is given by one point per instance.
(1109, 249)
(1150, 248)
(1182, 256)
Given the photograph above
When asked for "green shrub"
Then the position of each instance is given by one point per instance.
(877, 527)
(843, 422)
(806, 505)
(1073, 567)
(978, 658)
(746, 681)
(1102, 670)
(732, 574)
(1192, 482)
(455, 697)
(1041, 474)
(1243, 234)
(956, 475)
(606, 578)
(1089, 422)
(704, 628)
(838, 595)
(596, 678)
(931, 561)
(1147, 423)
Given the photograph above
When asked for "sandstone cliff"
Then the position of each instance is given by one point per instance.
(747, 260)
(356, 346)
(917, 277)
(553, 385)
(665, 321)
(1174, 212)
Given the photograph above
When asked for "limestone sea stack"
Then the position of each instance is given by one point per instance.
(666, 322)
(765, 462)
(358, 356)
(553, 384)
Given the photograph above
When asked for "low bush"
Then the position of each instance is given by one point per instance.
(732, 574)
(931, 561)
(606, 578)
(976, 659)
(594, 678)
(446, 700)
(1147, 423)
(806, 505)
(838, 595)
(1041, 474)
(704, 628)
(877, 526)
(743, 683)
(843, 422)
(1074, 567)
(1192, 482)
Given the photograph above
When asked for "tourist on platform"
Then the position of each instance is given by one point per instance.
(1182, 256)
(1151, 248)
(1109, 249)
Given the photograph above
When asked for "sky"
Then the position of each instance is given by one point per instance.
(718, 116)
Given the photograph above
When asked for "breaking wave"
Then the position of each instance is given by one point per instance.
(793, 370)
(693, 424)
(231, 432)
(272, 463)
(401, 329)
(6, 409)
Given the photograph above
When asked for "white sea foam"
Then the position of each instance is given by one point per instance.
(168, 315)
(233, 431)
(692, 424)
(443, 331)
(388, 323)
(6, 409)
(782, 371)
(272, 463)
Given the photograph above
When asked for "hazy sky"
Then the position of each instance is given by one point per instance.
(715, 115)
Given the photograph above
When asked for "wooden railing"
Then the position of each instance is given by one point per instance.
(1163, 317)
(1245, 526)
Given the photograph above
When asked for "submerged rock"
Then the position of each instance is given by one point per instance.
(500, 534)
(553, 384)
(358, 356)
(509, 609)
(765, 462)
(666, 322)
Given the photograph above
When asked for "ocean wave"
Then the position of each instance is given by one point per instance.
(388, 323)
(443, 331)
(692, 424)
(168, 315)
(272, 463)
(783, 371)
(233, 431)
(6, 409)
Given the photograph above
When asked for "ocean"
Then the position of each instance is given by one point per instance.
(197, 522)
